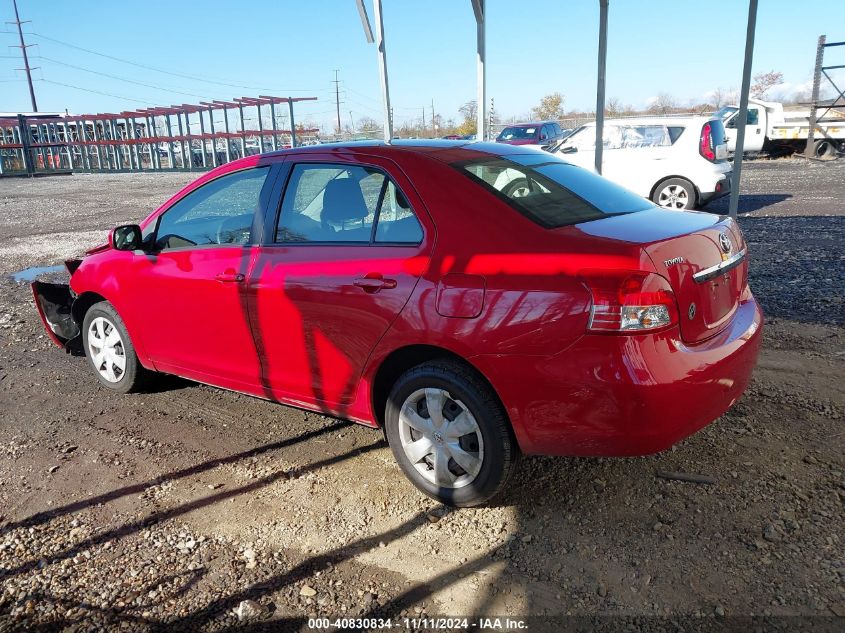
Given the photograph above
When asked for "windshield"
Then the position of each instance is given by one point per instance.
(725, 112)
(550, 191)
(514, 133)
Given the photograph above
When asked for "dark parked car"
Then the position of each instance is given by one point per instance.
(538, 133)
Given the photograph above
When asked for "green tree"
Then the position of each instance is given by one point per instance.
(550, 108)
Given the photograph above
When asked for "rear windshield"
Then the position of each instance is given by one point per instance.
(717, 131)
(550, 191)
(511, 133)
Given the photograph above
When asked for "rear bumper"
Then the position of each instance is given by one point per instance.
(717, 189)
(626, 395)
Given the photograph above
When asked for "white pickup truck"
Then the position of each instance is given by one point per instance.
(771, 128)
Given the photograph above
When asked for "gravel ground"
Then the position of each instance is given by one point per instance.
(191, 508)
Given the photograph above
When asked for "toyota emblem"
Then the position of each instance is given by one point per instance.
(725, 242)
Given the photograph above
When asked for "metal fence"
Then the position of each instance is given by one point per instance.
(184, 137)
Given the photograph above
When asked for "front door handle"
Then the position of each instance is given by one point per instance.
(230, 277)
(373, 283)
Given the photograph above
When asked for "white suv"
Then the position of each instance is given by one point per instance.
(677, 163)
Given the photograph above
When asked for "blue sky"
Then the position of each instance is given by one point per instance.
(291, 47)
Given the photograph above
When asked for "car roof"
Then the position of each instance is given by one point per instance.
(448, 151)
(530, 124)
(657, 120)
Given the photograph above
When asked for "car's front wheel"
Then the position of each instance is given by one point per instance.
(449, 433)
(110, 351)
(675, 193)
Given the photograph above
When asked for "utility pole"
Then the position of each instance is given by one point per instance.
(742, 115)
(600, 84)
(423, 125)
(337, 98)
(433, 120)
(809, 150)
(23, 46)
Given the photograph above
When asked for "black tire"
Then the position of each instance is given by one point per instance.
(824, 149)
(133, 376)
(465, 387)
(677, 194)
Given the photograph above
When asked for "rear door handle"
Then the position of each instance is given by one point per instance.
(373, 284)
(230, 277)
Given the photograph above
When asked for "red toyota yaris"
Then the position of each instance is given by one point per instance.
(473, 300)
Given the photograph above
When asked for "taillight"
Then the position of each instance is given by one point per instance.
(705, 143)
(628, 302)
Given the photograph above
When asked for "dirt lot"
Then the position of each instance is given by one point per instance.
(192, 508)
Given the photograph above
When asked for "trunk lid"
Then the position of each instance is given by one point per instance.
(701, 255)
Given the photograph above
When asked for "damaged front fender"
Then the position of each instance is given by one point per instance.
(54, 303)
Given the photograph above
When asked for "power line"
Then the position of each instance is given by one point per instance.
(129, 81)
(96, 92)
(160, 70)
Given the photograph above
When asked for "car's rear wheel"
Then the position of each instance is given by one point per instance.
(675, 193)
(110, 351)
(449, 433)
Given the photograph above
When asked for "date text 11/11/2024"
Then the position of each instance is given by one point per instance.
(432, 624)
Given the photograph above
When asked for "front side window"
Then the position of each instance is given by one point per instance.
(217, 213)
(550, 191)
(345, 203)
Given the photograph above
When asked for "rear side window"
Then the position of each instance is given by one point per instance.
(397, 223)
(625, 137)
(355, 204)
(551, 192)
(330, 203)
(675, 132)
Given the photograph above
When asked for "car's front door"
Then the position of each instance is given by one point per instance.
(349, 245)
(193, 280)
(755, 129)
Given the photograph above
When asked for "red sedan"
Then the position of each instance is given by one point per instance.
(401, 287)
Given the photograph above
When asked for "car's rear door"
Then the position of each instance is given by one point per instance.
(349, 242)
(192, 281)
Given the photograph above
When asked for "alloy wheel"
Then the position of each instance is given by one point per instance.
(673, 197)
(441, 438)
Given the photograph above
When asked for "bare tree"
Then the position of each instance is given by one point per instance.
(664, 103)
(764, 82)
(469, 111)
(550, 107)
(613, 107)
(368, 125)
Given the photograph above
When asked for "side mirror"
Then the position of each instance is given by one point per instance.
(126, 238)
(569, 149)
